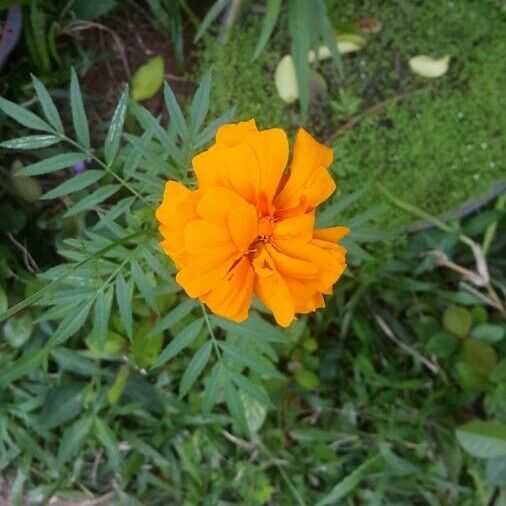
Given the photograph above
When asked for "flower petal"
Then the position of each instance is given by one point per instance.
(243, 227)
(309, 176)
(235, 133)
(231, 297)
(272, 290)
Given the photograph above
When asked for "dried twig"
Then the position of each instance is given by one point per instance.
(371, 110)
(434, 368)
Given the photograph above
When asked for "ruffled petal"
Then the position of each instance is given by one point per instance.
(271, 289)
(231, 296)
(309, 177)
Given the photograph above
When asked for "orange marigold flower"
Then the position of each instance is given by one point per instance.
(248, 228)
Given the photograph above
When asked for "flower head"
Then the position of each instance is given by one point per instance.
(248, 228)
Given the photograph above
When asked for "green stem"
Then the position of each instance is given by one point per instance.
(211, 331)
(105, 166)
(40, 293)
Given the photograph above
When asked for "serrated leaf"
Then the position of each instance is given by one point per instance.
(113, 138)
(249, 360)
(212, 388)
(73, 438)
(23, 116)
(212, 13)
(70, 325)
(195, 368)
(252, 389)
(200, 105)
(31, 142)
(234, 405)
(124, 298)
(21, 367)
(97, 197)
(107, 439)
(180, 342)
(483, 439)
(102, 314)
(52, 164)
(272, 10)
(47, 104)
(61, 404)
(148, 79)
(79, 118)
(176, 117)
(144, 285)
(72, 361)
(74, 184)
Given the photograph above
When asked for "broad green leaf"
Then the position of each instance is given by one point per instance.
(200, 105)
(480, 356)
(47, 104)
(144, 285)
(234, 405)
(441, 344)
(61, 404)
(113, 138)
(31, 142)
(255, 412)
(496, 471)
(73, 438)
(23, 116)
(307, 379)
(180, 342)
(52, 164)
(350, 483)
(98, 196)
(249, 360)
(176, 117)
(483, 439)
(28, 188)
(145, 348)
(271, 16)
(79, 118)
(148, 79)
(195, 367)
(75, 183)
(457, 320)
(499, 373)
(70, 325)
(488, 333)
(124, 298)
(106, 437)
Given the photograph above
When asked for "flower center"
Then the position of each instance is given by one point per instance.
(265, 228)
